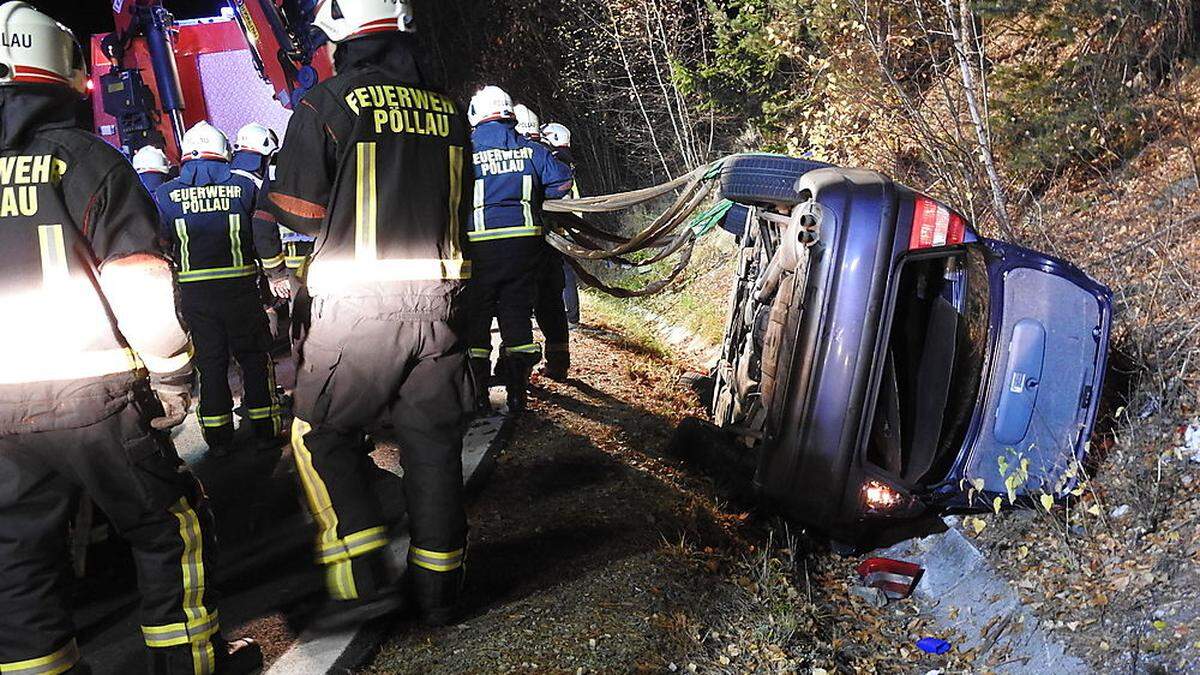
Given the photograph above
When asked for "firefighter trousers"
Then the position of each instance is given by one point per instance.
(134, 475)
(551, 311)
(360, 371)
(226, 316)
(504, 288)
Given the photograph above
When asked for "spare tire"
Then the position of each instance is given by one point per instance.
(759, 178)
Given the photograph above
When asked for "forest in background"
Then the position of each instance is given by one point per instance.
(982, 103)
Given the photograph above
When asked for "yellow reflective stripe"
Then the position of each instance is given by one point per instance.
(175, 634)
(575, 195)
(262, 413)
(54, 255)
(480, 221)
(235, 240)
(294, 262)
(60, 661)
(456, 167)
(505, 233)
(192, 565)
(530, 348)
(527, 199)
(365, 240)
(213, 421)
(20, 369)
(339, 577)
(479, 353)
(325, 276)
(353, 545)
(185, 258)
(167, 364)
(217, 273)
(436, 561)
(272, 263)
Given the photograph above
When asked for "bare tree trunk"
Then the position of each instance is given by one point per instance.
(961, 28)
(636, 92)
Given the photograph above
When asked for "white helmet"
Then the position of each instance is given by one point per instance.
(343, 20)
(557, 135)
(204, 141)
(255, 137)
(150, 159)
(490, 103)
(527, 122)
(36, 49)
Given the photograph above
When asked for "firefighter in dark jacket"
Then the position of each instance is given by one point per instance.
(557, 304)
(208, 213)
(152, 166)
(94, 368)
(513, 175)
(253, 150)
(375, 164)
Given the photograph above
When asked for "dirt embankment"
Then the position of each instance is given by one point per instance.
(594, 550)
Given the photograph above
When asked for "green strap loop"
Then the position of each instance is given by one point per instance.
(704, 222)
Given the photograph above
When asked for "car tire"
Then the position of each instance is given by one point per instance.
(757, 178)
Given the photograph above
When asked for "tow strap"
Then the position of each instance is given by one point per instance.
(673, 232)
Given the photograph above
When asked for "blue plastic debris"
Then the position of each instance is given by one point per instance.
(933, 645)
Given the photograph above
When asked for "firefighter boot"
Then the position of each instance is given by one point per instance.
(436, 594)
(219, 439)
(377, 593)
(481, 370)
(558, 362)
(518, 369)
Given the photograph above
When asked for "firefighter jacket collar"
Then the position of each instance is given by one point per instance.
(204, 172)
(28, 108)
(498, 134)
(251, 162)
(391, 53)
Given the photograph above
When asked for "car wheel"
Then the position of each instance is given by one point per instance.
(756, 178)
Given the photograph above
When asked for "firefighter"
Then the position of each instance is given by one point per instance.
(208, 213)
(513, 175)
(557, 306)
(527, 122)
(253, 153)
(92, 375)
(558, 137)
(376, 165)
(152, 167)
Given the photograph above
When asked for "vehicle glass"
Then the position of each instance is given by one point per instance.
(933, 363)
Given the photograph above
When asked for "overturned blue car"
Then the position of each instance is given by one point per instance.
(882, 360)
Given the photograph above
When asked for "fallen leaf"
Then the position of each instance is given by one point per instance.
(1047, 502)
(996, 504)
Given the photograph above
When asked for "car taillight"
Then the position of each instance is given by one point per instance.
(881, 499)
(934, 224)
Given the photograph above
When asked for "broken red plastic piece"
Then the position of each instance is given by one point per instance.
(896, 578)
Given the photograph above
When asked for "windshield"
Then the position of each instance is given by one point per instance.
(932, 364)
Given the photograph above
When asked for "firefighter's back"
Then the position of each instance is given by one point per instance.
(62, 359)
(396, 161)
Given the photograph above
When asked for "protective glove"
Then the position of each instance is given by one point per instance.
(281, 287)
(175, 395)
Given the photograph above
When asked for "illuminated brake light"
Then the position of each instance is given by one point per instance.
(934, 224)
(880, 496)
